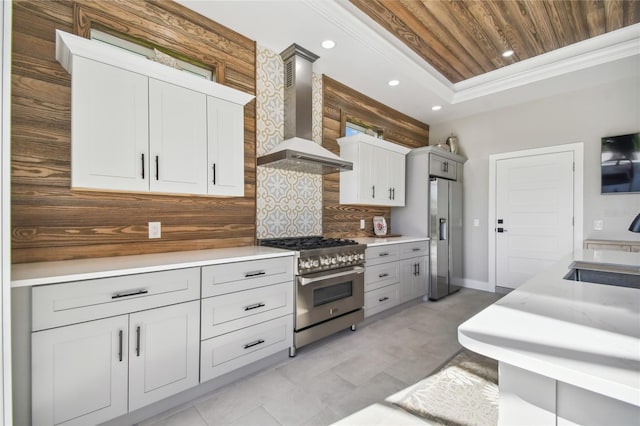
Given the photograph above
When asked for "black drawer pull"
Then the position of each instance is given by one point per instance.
(134, 293)
(252, 344)
(383, 275)
(142, 155)
(254, 274)
(416, 249)
(383, 254)
(254, 306)
(383, 299)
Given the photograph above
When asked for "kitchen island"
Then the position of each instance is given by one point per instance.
(568, 351)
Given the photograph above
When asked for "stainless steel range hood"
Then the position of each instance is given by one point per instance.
(298, 152)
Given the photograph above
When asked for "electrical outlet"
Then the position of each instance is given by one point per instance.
(476, 222)
(155, 230)
(361, 223)
(598, 224)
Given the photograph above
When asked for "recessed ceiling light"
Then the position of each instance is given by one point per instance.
(436, 107)
(507, 53)
(393, 82)
(328, 44)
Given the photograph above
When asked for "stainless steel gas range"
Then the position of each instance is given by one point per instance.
(329, 285)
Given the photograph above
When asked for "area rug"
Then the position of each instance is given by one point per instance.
(463, 392)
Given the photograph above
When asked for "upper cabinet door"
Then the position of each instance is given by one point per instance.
(109, 135)
(177, 139)
(396, 177)
(225, 127)
(442, 167)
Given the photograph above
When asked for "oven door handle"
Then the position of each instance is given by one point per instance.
(355, 270)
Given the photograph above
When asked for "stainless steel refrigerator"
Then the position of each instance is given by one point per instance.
(445, 230)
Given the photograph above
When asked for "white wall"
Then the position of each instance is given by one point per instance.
(612, 108)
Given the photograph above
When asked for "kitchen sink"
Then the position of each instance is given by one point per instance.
(604, 274)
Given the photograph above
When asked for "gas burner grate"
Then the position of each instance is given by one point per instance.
(306, 243)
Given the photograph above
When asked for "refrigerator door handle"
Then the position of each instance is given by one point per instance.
(443, 229)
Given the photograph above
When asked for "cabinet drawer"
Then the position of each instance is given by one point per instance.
(381, 275)
(417, 249)
(230, 277)
(442, 167)
(229, 312)
(222, 354)
(67, 303)
(381, 254)
(381, 299)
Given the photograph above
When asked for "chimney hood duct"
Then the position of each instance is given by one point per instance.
(298, 152)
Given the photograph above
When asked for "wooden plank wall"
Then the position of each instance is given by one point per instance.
(338, 100)
(51, 222)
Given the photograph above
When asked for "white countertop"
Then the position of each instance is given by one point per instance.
(30, 274)
(381, 241)
(584, 334)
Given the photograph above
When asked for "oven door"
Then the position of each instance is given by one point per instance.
(327, 295)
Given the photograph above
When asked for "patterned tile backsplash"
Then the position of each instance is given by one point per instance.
(288, 203)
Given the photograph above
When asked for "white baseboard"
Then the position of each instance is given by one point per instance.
(475, 284)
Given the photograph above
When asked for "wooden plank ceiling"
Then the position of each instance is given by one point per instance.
(465, 38)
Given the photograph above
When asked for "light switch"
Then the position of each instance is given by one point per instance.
(155, 230)
(476, 222)
(598, 224)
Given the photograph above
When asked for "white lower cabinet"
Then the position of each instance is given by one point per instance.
(104, 347)
(164, 346)
(394, 274)
(413, 278)
(80, 372)
(248, 314)
(91, 372)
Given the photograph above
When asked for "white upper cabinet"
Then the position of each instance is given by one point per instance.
(177, 139)
(378, 175)
(225, 148)
(110, 110)
(138, 125)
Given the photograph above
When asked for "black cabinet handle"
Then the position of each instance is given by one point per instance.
(254, 306)
(213, 167)
(390, 194)
(373, 191)
(134, 293)
(383, 299)
(383, 254)
(120, 345)
(142, 160)
(416, 249)
(383, 275)
(157, 169)
(138, 341)
(393, 193)
(254, 274)
(252, 344)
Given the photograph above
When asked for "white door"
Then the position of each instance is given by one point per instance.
(534, 215)
(109, 130)
(164, 351)
(177, 139)
(79, 373)
(225, 140)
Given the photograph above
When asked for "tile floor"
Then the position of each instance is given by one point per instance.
(341, 374)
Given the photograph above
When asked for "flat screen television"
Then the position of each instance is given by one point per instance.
(621, 163)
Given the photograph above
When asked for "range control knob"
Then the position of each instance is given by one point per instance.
(316, 263)
(306, 264)
(334, 260)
